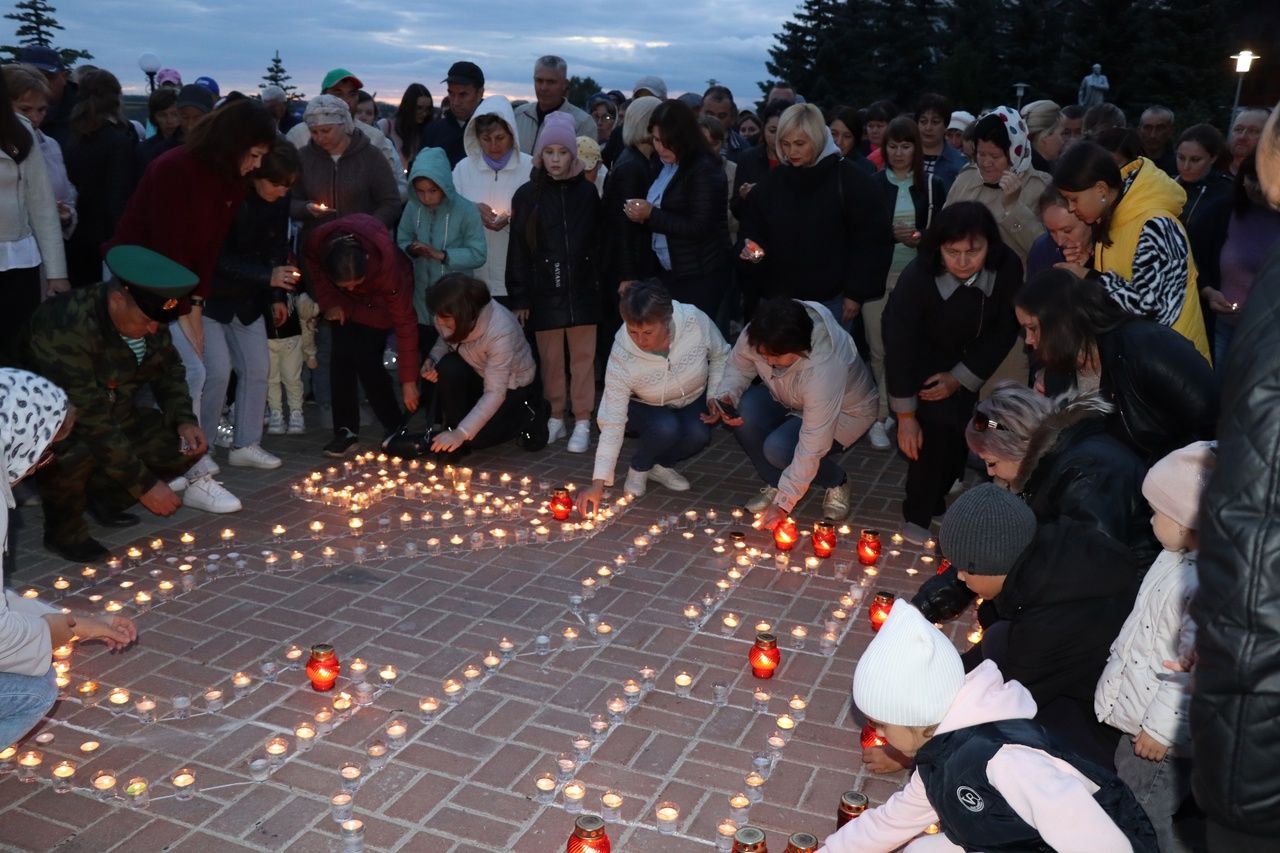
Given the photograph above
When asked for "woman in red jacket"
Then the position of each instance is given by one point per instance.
(364, 286)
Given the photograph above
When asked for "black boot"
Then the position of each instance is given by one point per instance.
(84, 551)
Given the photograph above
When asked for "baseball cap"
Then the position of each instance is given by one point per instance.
(192, 95)
(336, 76)
(467, 73)
(46, 59)
(168, 76)
(210, 84)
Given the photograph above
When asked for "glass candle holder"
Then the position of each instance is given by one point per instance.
(137, 792)
(104, 784)
(755, 786)
(785, 725)
(798, 705)
(617, 707)
(277, 748)
(428, 707)
(29, 762)
(453, 690)
(396, 731)
(378, 753)
(611, 806)
(544, 786)
(632, 690)
(719, 694)
(351, 775)
(667, 815)
(574, 792)
(145, 707)
(726, 828)
(352, 835)
(799, 634)
(566, 766)
(684, 684)
(241, 682)
(118, 700)
(760, 701)
(364, 694)
(341, 806)
(581, 746)
(63, 774)
(324, 721)
(259, 768)
(762, 763)
(599, 726)
(739, 804)
(184, 784)
(213, 699)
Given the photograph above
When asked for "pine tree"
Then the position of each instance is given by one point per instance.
(580, 89)
(277, 76)
(825, 52)
(37, 28)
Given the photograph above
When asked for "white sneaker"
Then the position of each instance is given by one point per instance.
(297, 426)
(208, 494)
(636, 482)
(890, 423)
(878, 437)
(669, 477)
(838, 501)
(763, 500)
(179, 484)
(581, 438)
(275, 423)
(555, 430)
(252, 456)
(205, 465)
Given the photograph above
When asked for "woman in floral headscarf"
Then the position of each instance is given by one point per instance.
(1003, 180)
(34, 414)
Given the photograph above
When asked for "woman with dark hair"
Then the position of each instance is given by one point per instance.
(1003, 179)
(914, 197)
(251, 267)
(684, 210)
(163, 115)
(846, 133)
(756, 162)
(364, 286)
(481, 364)
(816, 228)
(1252, 235)
(815, 398)
(100, 162)
(404, 129)
(660, 368)
(879, 114)
(750, 126)
(1202, 159)
(947, 327)
(30, 231)
(1164, 393)
(1141, 253)
(1066, 237)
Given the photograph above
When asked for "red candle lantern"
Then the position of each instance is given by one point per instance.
(588, 836)
(871, 738)
(765, 656)
(869, 547)
(561, 504)
(786, 534)
(801, 842)
(824, 538)
(943, 565)
(879, 610)
(323, 667)
(852, 804)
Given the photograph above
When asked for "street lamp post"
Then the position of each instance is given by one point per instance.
(150, 64)
(1021, 89)
(1244, 60)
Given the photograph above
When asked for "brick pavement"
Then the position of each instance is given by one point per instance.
(464, 781)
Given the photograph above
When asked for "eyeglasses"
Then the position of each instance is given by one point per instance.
(982, 423)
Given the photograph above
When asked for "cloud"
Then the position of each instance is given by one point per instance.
(394, 43)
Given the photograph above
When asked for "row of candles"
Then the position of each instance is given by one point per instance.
(104, 784)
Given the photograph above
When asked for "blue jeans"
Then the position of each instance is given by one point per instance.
(667, 435)
(1160, 787)
(24, 699)
(769, 435)
(235, 346)
(1222, 335)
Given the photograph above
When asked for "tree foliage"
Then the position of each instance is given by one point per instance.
(580, 89)
(1154, 51)
(277, 76)
(37, 27)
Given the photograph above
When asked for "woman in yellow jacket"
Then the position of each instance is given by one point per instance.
(1141, 252)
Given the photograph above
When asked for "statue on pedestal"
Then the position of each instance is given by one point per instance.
(1093, 88)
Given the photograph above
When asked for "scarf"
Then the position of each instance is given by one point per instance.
(32, 410)
(654, 197)
(1019, 140)
(501, 163)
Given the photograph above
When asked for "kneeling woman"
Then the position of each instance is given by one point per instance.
(364, 286)
(482, 366)
(808, 367)
(660, 366)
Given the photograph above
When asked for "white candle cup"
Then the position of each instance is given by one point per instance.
(566, 766)
(259, 768)
(63, 774)
(378, 753)
(341, 805)
(28, 763)
(184, 784)
(582, 746)
(351, 774)
(397, 731)
(617, 707)
(684, 684)
(599, 726)
(667, 815)
(725, 830)
(213, 699)
(739, 805)
(574, 792)
(145, 707)
(428, 707)
(104, 783)
(611, 806)
(755, 786)
(632, 690)
(352, 835)
(798, 705)
(760, 701)
(137, 792)
(775, 743)
(544, 787)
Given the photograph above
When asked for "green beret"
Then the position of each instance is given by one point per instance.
(156, 283)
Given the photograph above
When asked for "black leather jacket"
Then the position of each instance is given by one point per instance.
(694, 218)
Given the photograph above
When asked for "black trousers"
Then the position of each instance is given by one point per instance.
(942, 457)
(458, 389)
(357, 356)
(19, 299)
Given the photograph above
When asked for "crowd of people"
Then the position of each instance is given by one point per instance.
(1047, 292)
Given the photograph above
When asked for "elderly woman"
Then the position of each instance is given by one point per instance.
(1058, 455)
(1142, 256)
(604, 112)
(1044, 129)
(1164, 393)
(817, 227)
(482, 365)
(815, 398)
(35, 416)
(342, 173)
(656, 383)
(947, 326)
(489, 176)
(1004, 180)
(684, 210)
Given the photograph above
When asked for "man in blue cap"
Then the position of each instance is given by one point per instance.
(102, 345)
(62, 92)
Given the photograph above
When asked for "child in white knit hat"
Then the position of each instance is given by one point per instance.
(1144, 690)
(989, 776)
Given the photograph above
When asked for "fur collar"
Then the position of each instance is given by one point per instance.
(1044, 440)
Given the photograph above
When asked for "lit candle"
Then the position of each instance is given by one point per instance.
(342, 702)
(305, 732)
(667, 814)
(277, 747)
(684, 681)
(632, 690)
(506, 647)
(118, 697)
(358, 670)
(755, 783)
(798, 704)
(452, 688)
(574, 791)
(278, 531)
(165, 587)
(62, 652)
(603, 630)
(396, 730)
(611, 802)
(105, 782)
(63, 772)
(350, 774)
(388, 675)
(617, 705)
(241, 681)
(545, 784)
(61, 583)
(146, 708)
(340, 805)
(428, 705)
(491, 660)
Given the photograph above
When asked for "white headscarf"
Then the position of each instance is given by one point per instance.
(32, 410)
(1019, 140)
(328, 109)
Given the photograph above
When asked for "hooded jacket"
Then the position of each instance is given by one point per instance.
(553, 256)
(300, 136)
(694, 363)
(477, 182)
(694, 219)
(1046, 792)
(825, 229)
(359, 182)
(1148, 268)
(1074, 469)
(454, 227)
(498, 351)
(383, 299)
(830, 388)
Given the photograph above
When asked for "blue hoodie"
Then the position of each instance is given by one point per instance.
(454, 228)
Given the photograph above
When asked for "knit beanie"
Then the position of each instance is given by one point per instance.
(328, 109)
(588, 152)
(558, 129)
(1175, 484)
(910, 673)
(985, 530)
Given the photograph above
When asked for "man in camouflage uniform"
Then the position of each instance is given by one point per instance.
(102, 345)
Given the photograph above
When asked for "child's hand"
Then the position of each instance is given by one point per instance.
(1145, 746)
(878, 759)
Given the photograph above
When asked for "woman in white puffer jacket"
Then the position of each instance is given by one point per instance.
(663, 360)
